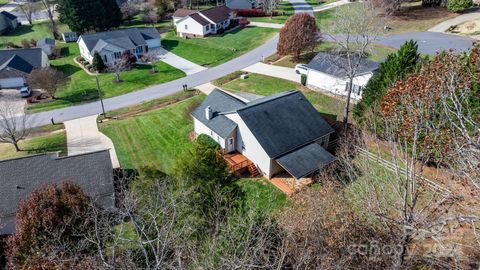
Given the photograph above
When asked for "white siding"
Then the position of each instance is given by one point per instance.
(84, 52)
(153, 43)
(200, 128)
(12, 83)
(248, 145)
(335, 85)
(193, 27)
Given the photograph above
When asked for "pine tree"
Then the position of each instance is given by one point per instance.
(395, 67)
(81, 15)
(97, 62)
(112, 16)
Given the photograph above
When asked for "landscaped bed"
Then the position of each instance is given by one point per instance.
(82, 87)
(214, 50)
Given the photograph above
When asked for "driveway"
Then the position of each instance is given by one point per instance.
(443, 26)
(83, 136)
(274, 71)
(180, 63)
(301, 6)
(15, 102)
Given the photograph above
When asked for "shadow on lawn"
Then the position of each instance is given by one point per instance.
(49, 147)
(82, 96)
(68, 69)
(21, 30)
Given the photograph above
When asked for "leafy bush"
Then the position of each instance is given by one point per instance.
(97, 63)
(207, 141)
(459, 5)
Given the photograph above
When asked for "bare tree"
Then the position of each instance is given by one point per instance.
(130, 8)
(49, 6)
(269, 6)
(152, 57)
(119, 66)
(28, 8)
(13, 127)
(49, 79)
(353, 30)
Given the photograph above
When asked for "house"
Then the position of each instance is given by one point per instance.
(325, 73)
(111, 44)
(20, 176)
(192, 23)
(47, 45)
(281, 132)
(8, 22)
(15, 65)
(70, 37)
(243, 4)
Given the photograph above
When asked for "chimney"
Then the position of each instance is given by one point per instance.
(208, 113)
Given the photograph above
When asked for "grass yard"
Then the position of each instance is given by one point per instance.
(82, 87)
(162, 26)
(4, 2)
(265, 85)
(285, 10)
(154, 138)
(215, 50)
(40, 29)
(36, 145)
(263, 194)
(411, 18)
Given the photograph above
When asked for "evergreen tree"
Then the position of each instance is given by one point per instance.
(97, 62)
(112, 15)
(81, 15)
(396, 66)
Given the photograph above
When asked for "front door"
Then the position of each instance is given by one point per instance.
(230, 145)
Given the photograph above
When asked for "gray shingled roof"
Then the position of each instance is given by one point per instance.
(284, 122)
(19, 177)
(45, 41)
(332, 64)
(124, 38)
(217, 14)
(22, 59)
(183, 12)
(306, 160)
(8, 15)
(220, 102)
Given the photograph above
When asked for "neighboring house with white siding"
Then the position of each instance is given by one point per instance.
(194, 23)
(278, 133)
(111, 44)
(15, 65)
(326, 72)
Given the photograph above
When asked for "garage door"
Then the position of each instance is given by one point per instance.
(12, 83)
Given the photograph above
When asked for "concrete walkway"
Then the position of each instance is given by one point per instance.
(443, 26)
(181, 63)
(206, 88)
(267, 25)
(83, 136)
(274, 71)
(330, 6)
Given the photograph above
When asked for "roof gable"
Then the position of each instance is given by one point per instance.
(123, 38)
(17, 63)
(35, 57)
(183, 12)
(284, 122)
(8, 15)
(217, 14)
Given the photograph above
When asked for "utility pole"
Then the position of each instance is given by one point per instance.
(100, 95)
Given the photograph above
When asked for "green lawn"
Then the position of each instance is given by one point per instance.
(40, 29)
(284, 10)
(82, 87)
(265, 85)
(413, 17)
(42, 144)
(154, 138)
(4, 2)
(162, 26)
(215, 50)
(263, 194)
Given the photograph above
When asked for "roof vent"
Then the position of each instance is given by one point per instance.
(208, 113)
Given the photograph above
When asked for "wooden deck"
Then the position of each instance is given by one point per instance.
(237, 162)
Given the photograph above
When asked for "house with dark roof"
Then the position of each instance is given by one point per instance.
(194, 23)
(15, 65)
(111, 44)
(21, 176)
(277, 133)
(243, 4)
(47, 45)
(326, 72)
(8, 22)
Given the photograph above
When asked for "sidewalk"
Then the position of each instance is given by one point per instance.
(83, 136)
(267, 25)
(443, 26)
(274, 71)
(181, 63)
(330, 6)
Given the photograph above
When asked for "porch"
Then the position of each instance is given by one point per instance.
(238, 163)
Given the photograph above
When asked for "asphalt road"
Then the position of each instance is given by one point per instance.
(157, 91)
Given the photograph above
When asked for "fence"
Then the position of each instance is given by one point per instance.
(394, 168)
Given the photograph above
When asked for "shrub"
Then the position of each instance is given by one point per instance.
(459, 5)
(97, 63)
(303, 79)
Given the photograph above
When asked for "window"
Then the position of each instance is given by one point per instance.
(105, 58)
(117, 55)
(207, 27)
(186, 27)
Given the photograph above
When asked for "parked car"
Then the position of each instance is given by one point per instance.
(301, 69)
(25, 92)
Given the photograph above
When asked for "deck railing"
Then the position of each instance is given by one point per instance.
(239, 166)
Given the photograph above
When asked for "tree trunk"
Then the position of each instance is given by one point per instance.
(118, 76)
(16, 146)
(347, 106)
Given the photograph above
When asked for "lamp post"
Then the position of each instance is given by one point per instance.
(100, 94)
